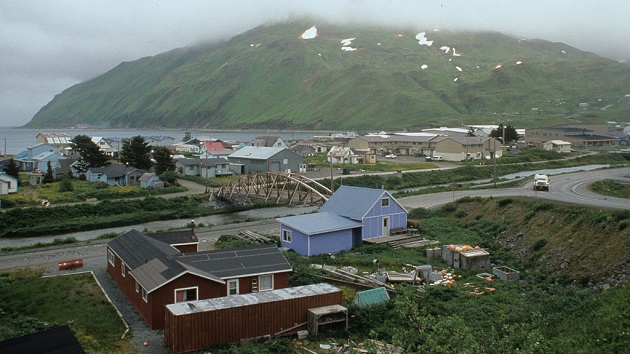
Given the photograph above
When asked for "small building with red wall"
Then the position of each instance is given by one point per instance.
(153, 273)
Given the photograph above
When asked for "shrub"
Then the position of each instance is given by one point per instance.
(169, 177)
(540, 243)
(65, 185)
(538, 206)
(504, 202)
(448, 207)
(460, 213)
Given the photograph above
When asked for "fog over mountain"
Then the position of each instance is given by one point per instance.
(49, 46)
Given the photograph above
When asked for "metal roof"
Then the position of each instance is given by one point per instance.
(183, 308)
(318, 223)
(354, 202)
(154, 263)
(177, 237)
(238, 262)
(256, 152)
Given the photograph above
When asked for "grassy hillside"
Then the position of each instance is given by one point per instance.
(553, 239)
(273, 78)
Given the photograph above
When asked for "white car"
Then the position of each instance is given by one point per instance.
(391, 156)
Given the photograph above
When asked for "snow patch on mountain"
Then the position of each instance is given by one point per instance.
(310, 33)
(422, 39)
(345, 45)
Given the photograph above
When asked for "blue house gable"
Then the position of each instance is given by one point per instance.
(377, 209)
(319, 233)
(350, 216)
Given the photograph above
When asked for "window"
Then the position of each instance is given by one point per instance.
(266, 282)
(145, 296)
(285, 161)
(186, 294)
(232, 287)
(286, 236)
(110, 258)
(137, 287)
(385, 202)
(123, 269)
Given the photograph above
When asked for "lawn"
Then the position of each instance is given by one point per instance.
(31, 303)
(80, 191)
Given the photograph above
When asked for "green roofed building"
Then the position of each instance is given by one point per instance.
(371, 297)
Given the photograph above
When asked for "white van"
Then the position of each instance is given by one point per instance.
(436, 158)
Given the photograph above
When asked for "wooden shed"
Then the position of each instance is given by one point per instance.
(194, 325)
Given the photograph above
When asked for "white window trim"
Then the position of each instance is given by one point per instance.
(186, 289)
(383, 201)
(123, 269)
(145, 295)
(260, 288)
(288, 239)
(110, 258)
(233, 281)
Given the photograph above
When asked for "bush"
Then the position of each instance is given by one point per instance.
(65, 185)
(504, 202)
(540, 243)
(460, 213)
(448, 207)
(169, 177)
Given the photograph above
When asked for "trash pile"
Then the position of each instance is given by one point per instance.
(369, 346)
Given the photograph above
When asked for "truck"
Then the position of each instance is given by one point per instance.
(541, 182)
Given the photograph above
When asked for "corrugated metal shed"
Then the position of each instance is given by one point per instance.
(317, 223)
(195, 325)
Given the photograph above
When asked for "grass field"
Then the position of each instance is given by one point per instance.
(31, 303)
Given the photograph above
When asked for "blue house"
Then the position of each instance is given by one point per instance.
(350, 216)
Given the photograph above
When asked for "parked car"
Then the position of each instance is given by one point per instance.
(434, 158)
(418, 154)
(391, 156)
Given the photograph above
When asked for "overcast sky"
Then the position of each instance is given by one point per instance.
(48, 46)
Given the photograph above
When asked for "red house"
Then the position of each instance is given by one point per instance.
(153, 273)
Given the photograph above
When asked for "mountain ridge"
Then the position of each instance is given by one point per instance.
(385, 78)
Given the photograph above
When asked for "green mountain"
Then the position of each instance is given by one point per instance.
(272, 77)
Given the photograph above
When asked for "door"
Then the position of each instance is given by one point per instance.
(275, 166)
(385, 226)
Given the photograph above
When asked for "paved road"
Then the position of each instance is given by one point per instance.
(567, 188)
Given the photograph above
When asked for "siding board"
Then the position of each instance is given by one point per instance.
(256, 315)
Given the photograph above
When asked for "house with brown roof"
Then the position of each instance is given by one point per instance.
(155, 270)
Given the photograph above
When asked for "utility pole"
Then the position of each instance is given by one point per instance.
(494, 163)
(332, 181)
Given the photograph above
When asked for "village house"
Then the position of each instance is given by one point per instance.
(351, 215)
(152, 272)
(28, 160)
(206, 168)
(342, 155)
(214, 149)
(150, 180)
(8, 184)
(115, 175)
(61, 141)
(557, 145)
(269, 141)
(267, 159)
(105, 146)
